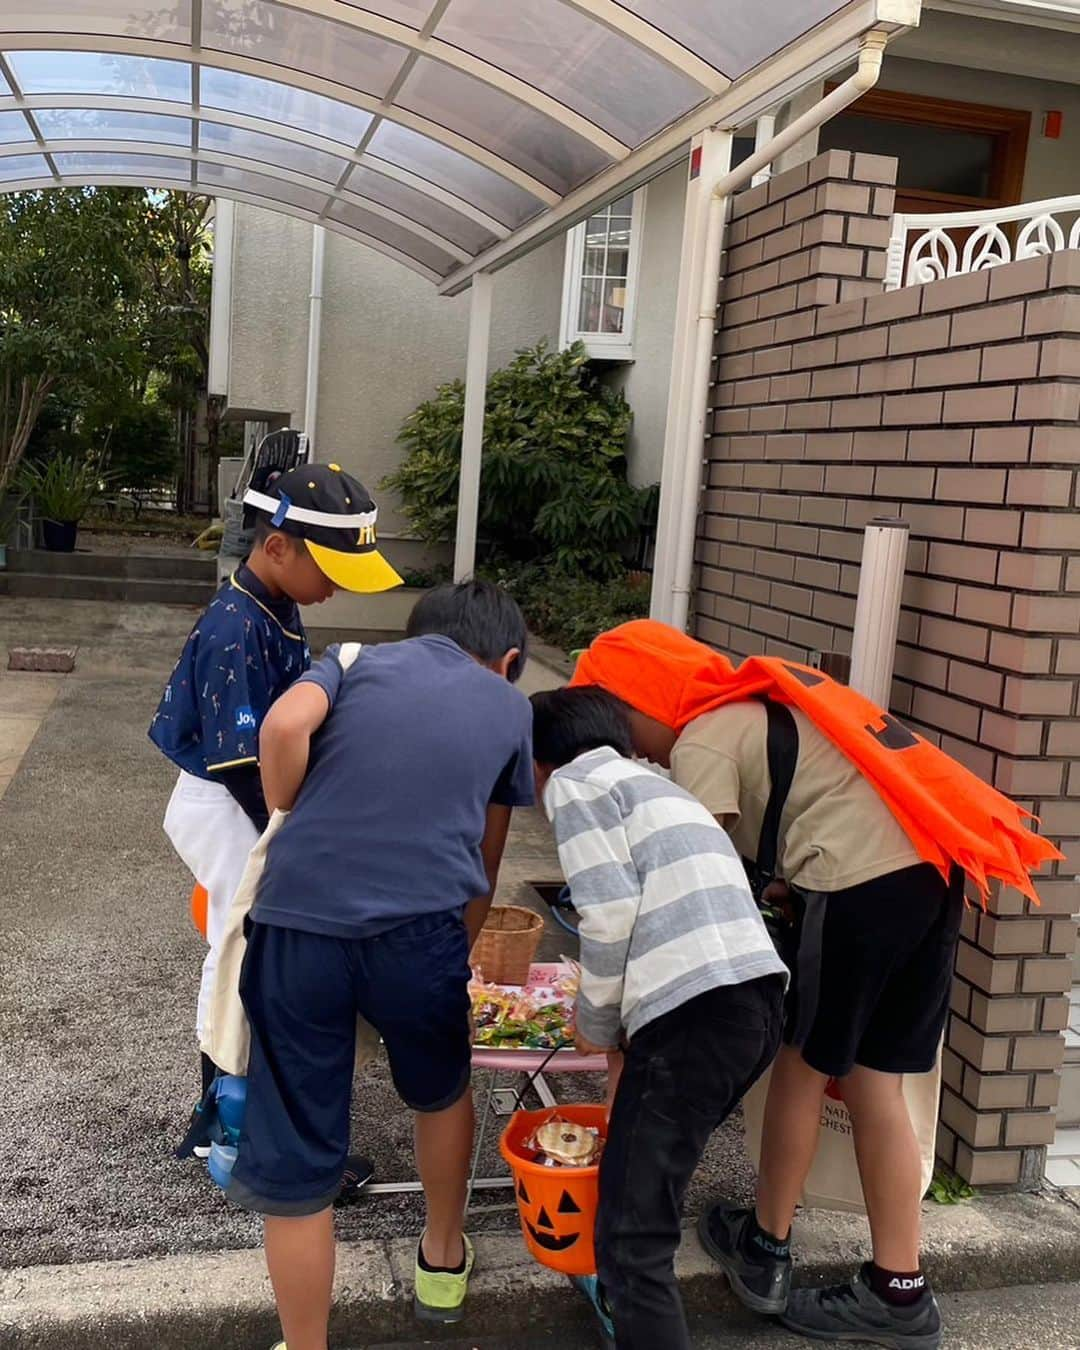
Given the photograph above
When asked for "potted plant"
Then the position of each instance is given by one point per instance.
(63, 488)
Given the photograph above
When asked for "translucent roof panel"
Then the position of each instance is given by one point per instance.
(455, 134)
(397, 236)
(101, 73)
(14, 128)
(611, 80)
(262, 185)
(152, 169)
(739, 38)
(112, 124)
(255, 97)
(166, 20)
(421, 207)
(526, 137)
(17, 167)
(413, 12)
(455, 172)
(294, 40)
(271, 150)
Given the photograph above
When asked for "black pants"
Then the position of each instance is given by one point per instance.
(684, 1074)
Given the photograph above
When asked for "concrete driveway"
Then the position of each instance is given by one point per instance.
(101, 964)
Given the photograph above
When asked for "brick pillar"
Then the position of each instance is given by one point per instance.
(957, 406)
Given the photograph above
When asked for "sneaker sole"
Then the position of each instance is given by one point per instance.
(201, 1151)
(931, 1341)
(768, 1307)
(424, 1312)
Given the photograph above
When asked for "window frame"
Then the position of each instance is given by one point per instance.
(603, 346)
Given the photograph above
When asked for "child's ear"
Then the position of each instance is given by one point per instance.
(503, 665)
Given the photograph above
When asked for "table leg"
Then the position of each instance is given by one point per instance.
(543, 1091)
(485, 1111)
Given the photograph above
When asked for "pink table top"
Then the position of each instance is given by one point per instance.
(529, 1061)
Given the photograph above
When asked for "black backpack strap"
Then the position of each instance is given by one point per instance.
(782, 749)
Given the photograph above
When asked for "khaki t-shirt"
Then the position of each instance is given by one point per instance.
(835, 831)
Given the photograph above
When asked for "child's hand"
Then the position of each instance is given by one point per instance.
(586, 1047)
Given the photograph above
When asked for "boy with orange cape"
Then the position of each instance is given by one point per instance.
(877, 820)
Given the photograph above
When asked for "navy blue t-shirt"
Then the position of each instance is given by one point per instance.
(242, 654)
(387, 825)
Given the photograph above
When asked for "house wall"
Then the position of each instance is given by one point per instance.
(645, 380)
(388, 339)
(957, 406)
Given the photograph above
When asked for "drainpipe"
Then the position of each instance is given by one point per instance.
(764, 132)
(314, 347)
(865, 77)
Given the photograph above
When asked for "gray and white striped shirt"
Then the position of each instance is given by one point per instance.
(666, 911)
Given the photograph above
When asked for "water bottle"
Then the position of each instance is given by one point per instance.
(230, 1099)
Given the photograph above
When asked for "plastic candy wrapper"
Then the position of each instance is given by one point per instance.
(563, 1143)
(533, 1018)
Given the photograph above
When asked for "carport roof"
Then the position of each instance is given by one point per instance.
(451, 135)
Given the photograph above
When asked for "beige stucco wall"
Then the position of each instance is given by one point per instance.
(268, 336)
(645, 380)
(388, 339)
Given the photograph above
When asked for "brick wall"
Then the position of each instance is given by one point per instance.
(956, 406)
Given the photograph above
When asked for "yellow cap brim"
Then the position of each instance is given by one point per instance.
(364, 572)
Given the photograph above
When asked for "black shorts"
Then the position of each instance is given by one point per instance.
(873, 973)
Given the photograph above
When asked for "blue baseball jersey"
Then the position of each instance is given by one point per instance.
(244, 652)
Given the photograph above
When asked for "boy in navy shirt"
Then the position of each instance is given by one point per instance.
(314, 532)
(399, 774)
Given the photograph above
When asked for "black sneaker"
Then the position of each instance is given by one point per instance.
(760, 1281)
(853, 1312)
(358, 1172)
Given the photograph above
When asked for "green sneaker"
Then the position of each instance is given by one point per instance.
(440, 1295)
(279, 1345)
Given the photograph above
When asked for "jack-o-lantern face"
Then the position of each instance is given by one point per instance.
(543, 1232)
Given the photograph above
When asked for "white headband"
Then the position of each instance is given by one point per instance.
(303, 516)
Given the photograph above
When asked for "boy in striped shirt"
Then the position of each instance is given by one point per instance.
(677, 969)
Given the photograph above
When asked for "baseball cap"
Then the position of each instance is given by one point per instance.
(335, 516)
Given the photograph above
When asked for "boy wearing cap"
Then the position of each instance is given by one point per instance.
(314, 532)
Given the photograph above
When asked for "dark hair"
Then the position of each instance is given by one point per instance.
(482, 619)
(263, 531)
(568, 722)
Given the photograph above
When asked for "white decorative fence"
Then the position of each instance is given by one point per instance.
(1046, 227)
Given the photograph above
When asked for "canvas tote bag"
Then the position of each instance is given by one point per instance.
(833, 1182)
(226, 1035)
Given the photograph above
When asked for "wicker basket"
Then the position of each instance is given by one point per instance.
(507, 944)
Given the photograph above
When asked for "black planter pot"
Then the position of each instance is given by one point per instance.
(59, 535)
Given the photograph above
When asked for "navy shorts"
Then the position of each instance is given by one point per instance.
(302, 992)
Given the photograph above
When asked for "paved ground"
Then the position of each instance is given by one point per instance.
(101, 967)
(1042, 1317)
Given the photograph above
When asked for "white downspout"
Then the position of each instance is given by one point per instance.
(764, 133)
(314, 347)
(865, 77)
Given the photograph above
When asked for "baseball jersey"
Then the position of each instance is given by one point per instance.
(245, 651)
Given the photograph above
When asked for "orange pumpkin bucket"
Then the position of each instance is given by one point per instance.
(199, 902)
(556, 1205)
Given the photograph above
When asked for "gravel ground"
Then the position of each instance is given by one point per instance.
(101, 966)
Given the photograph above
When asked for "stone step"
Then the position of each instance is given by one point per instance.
(138, 566)
(130, 590)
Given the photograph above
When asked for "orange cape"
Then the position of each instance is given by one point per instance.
(949, 814)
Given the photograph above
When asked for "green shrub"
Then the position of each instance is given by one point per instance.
(570, 611)
(62, 487)
(553, 479)
(139, 442)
